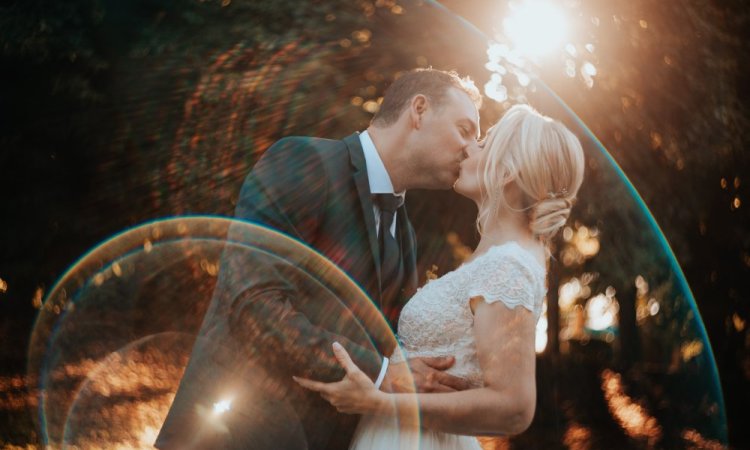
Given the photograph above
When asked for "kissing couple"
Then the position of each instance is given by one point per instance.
(466, 362)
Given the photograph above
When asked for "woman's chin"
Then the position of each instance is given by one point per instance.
(459, 189)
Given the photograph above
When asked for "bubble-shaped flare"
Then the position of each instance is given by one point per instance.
(116, 332)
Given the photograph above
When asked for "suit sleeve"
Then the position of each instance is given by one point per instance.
(286, 191)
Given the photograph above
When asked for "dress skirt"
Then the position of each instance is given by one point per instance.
(385, 433)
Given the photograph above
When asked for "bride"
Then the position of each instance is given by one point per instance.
(523, 177)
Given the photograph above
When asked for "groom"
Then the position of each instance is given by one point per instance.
(344, 198)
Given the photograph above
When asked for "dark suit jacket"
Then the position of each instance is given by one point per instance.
(269, 320)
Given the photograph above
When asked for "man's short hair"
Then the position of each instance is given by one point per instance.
(431, 83)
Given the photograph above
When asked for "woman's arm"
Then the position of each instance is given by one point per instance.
(505, 405)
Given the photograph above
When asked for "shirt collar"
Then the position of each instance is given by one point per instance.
(380, 181)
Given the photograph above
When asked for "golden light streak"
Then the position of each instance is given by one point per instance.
(124, 397)
(631, 416)
(18, 393)
(3, 286)
(209, 267)
(690, 350)
(641, 285)
(577, 437)
(695, 440)
(739, 323)
(494, 443)
(36, 302)
(116, 269)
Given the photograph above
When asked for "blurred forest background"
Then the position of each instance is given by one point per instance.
(114, 113)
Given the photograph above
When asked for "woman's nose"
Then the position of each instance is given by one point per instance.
(472, 148)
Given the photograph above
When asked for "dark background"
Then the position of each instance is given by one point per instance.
(114, 113)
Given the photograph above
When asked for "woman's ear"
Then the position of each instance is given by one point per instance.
(512, 192)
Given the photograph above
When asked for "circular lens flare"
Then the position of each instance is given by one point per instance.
(536, 27)
(113, 340)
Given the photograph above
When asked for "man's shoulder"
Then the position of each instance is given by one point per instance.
(309, 151)
(310, 143)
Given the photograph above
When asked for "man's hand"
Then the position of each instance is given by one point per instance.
(355, 394)
(427, 373)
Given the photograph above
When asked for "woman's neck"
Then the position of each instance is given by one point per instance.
(504, 229)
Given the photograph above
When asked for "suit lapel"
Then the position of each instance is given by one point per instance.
(365, 199)
(409, 252)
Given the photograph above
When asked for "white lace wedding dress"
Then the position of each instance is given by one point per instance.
(437, 321)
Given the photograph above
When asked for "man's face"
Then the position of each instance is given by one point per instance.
(446, 132)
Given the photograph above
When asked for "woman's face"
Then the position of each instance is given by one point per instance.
(470, 178)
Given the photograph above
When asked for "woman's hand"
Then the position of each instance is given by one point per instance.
(354, 394)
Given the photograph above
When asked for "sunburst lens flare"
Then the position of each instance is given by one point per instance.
(222, 406)
(536, 28)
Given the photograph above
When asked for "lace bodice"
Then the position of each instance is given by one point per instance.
(438, 320)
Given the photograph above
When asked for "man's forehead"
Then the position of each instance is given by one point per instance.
(464, 100)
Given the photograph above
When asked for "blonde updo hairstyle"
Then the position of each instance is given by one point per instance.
(544, 159)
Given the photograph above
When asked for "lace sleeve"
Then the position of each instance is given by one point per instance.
(507, 278)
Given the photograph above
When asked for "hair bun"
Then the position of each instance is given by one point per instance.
(549, 215)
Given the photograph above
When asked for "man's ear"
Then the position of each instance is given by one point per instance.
(417, 107)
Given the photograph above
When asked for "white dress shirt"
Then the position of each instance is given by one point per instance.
(380, 183)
